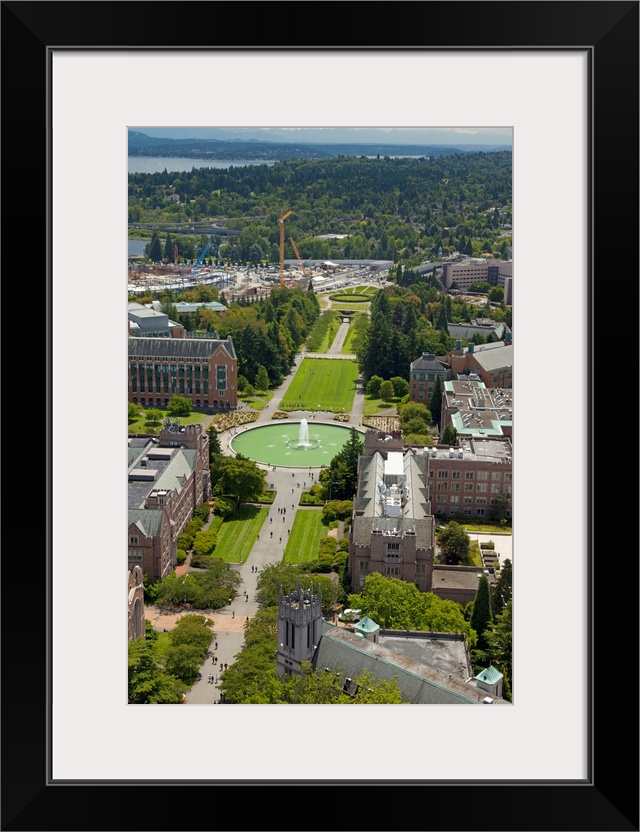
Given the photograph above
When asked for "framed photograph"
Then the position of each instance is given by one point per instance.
(564, 78)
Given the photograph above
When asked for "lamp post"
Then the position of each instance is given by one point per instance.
(330, 484)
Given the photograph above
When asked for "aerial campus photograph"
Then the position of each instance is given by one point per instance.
(320, 415)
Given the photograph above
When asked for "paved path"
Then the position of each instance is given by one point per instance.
(229, 623)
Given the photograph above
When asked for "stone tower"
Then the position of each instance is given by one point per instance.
(299, 628)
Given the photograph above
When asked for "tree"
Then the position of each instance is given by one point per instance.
(214, 443)
(499, 511)
(179, 406)
(400, 605)
(414, 410)
(502, 589)
(177, 589)
(400, 386)
(155, 253)
(481, 617)
(499, 643)
(373, 386)
(496, 294)
(168, 249)
(147, 681)
(340, 479)
(133, 412)
(387, 393)
(454, 543)
(310, 687)
(262, 378)
(449, 435)
(279, 575)
(435, 400)
(238, 478)
(153, 416)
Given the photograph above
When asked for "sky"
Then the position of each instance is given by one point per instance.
(339, 135)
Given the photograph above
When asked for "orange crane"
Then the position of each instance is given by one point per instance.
(295, 248)
(281, 224)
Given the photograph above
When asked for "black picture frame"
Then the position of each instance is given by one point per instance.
(608, 799)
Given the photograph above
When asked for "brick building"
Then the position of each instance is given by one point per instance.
(168, 478)
(466, 481)
(492, 363)
(203, 370)
(423, 374)
(392, 529)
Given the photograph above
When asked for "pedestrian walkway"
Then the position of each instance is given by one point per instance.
(229, 622)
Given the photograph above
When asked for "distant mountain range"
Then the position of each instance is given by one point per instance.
(251, 148)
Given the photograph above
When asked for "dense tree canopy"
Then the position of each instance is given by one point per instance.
(397, 209)
(400, 605)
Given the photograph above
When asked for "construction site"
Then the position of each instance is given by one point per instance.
(244, 281)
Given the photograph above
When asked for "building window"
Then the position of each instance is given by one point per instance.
(482, 475)
(393, 547)
(468, 475)
(442, 486)
(364, 565)
(481, 501)
(455, 475)
(420, 569)
(507, 489)
(133, 540)
(467, 511)
(392, 570)
(468, 501)
(468, 486)
(495, 488)
(454, 499)
(453, 511)
(480, 512)
(443, 475)
(507, 477)
(482, 487)
(135, 554)
(496, 476)
(455, 486)
(441, 498)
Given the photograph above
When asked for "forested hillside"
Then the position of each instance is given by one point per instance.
(404, 210)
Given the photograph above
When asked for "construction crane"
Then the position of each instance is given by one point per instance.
(281, 224)
(295, 248)
(202, 255)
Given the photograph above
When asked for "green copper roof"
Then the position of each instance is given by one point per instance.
(489, 676)
(367, 624)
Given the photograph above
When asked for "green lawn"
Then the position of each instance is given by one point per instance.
(349, 307)
(322, 384)
(238, 533)
(306, 534)
(259, 400)
(373, 406)
(142, 426)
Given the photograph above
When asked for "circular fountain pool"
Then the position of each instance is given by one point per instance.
(295, 444)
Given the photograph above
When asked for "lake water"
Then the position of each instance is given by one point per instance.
(156, 164)
(136, 247)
